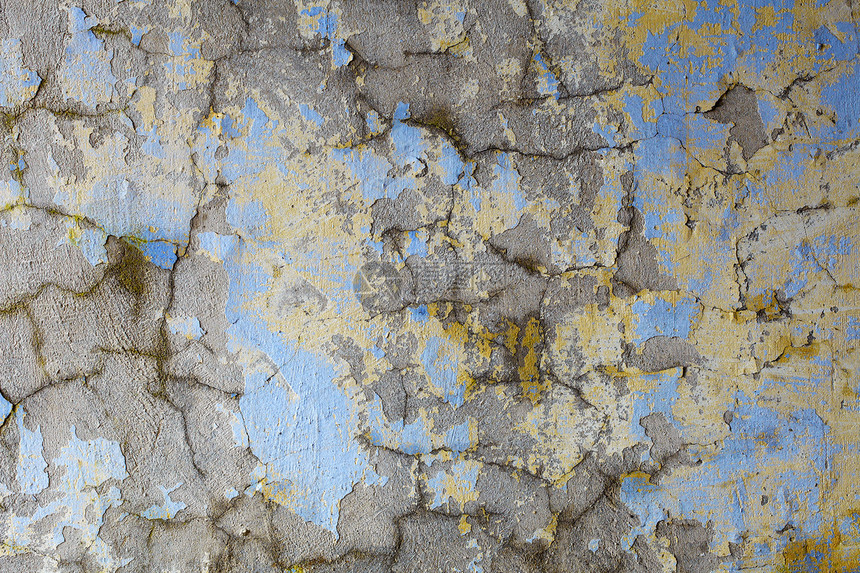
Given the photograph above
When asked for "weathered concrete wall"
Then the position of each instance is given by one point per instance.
(491, 286)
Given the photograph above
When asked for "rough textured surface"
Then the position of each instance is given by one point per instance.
(435, 285)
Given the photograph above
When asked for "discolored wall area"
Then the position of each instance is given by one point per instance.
(388, 286)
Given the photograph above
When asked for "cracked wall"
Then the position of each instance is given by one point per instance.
(491, 286)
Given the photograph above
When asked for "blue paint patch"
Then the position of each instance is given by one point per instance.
(249, 217)
(159, 253)
(168, 509)
(326, 27)
(372, 170)
(302, 433)
(451, 163)
(16, 82)
(32, 468)
(506, 180)
(767, 111)
(374, 125)
(853, 330)
(92, 245)
(417, 243)
(180, 67)
(832, 48)
(378, 246)
(373, 478)
(694, 131)
(657, 224)
(419, 313)
(187, 326)
(261, 148)
(228, 126)
(19, 165)
(340, 54)
(663, 318)
(698, 73)
(401, 112)
(410, 153)
(215, 246)
(789, 168)
(136, 34)
(368, 168)
(726, 487)
(634, 106)
(152, 144)
(86, 64)
(152, 224)
(659, 399)
(458, 438)
(547, 82)
(411, 439)
(311, 114)
(607, 132)
(440, 363)
(805, 261)
(469, 184)
(76, 500)
(662, 157)
(300, 424)
(409, 145)
(842, 97)
(464, 474)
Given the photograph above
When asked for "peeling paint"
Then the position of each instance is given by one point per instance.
(447, 286)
